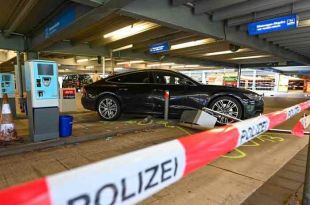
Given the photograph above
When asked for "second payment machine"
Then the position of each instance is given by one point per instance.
(42, 99)
(7, 86)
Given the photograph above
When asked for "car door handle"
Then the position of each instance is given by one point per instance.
(158, 90)
(123, 89)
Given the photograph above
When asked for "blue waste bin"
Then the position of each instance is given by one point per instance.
(65, 125)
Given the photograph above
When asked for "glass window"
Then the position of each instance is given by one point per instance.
(45, 69)
(171, 79)
(140, 77)
(85, 78)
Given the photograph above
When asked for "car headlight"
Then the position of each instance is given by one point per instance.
(253, 96)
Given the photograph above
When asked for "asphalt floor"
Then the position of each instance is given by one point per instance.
(239, 181)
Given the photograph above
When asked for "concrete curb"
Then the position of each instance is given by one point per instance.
(17, 149)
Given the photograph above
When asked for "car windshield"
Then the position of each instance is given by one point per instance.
(189, 78)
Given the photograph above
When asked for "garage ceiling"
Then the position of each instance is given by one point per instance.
(201, 30)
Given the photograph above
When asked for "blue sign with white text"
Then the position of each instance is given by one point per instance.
(62, 21)
(273, 25)
(159, 47)
(304, 72)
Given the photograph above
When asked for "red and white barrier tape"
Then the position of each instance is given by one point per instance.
(301, 126)
(132, 177)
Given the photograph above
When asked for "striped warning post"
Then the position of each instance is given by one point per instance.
(7, 127)
(130, 178)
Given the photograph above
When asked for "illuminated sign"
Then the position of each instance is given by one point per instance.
(159, 47)
(273, 25)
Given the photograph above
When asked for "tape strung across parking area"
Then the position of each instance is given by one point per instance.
(130, 178)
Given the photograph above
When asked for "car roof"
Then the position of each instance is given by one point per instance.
(146, 70)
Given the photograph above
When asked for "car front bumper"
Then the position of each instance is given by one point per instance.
(253, 108)
(88, 103)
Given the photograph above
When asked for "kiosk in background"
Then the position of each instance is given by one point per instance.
(7, 85)
(42, 99)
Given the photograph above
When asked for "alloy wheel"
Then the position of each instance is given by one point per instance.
(108, 108)
(227, 107)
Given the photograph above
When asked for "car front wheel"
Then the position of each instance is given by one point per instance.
(109, 108)
(228, 106)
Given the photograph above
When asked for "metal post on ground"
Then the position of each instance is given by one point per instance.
(166, 97)
(103, 66)
(306, 194)
(111, 57)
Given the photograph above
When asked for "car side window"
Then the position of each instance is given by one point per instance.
(140, 77)
(74, 77)
(169, 78)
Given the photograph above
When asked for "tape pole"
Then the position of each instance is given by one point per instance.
(132, 177)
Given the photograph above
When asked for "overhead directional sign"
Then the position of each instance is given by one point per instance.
(304, 72)
(60, 22)
(159, 47)
(273, 25)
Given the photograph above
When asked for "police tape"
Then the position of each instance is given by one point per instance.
(132, 177)
(301, 126)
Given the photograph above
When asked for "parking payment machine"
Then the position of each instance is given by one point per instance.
(7, 86)
(42, 99)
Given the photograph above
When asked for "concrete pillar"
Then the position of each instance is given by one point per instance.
(239, 76)
(276, 82)
(31, 55)
(204, 80)
(254, 80)
(112, 67)
(19, 76)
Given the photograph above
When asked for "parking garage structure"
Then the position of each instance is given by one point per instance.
(88, 87)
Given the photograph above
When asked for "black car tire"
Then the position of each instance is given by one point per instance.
(234, 109)
(108, 108)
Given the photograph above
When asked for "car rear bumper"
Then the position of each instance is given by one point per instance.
(89, 104)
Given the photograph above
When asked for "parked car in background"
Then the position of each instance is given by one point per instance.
(76, 81)
(142, 92)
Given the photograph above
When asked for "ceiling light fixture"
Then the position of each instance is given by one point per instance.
(137, 61)
(160, 64)
(82, 60)
(218, 53)
(123, 63)
(304, 23)
(122, 48)
(167, 64)
(192, 66)
(177, 66)
(226, 52)
(130, 30)
(250, 57)
(153, 65)
(130, 62)
(89, 67)
(191, 43)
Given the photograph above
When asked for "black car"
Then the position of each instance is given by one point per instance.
(76, 81)
(142, 92)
